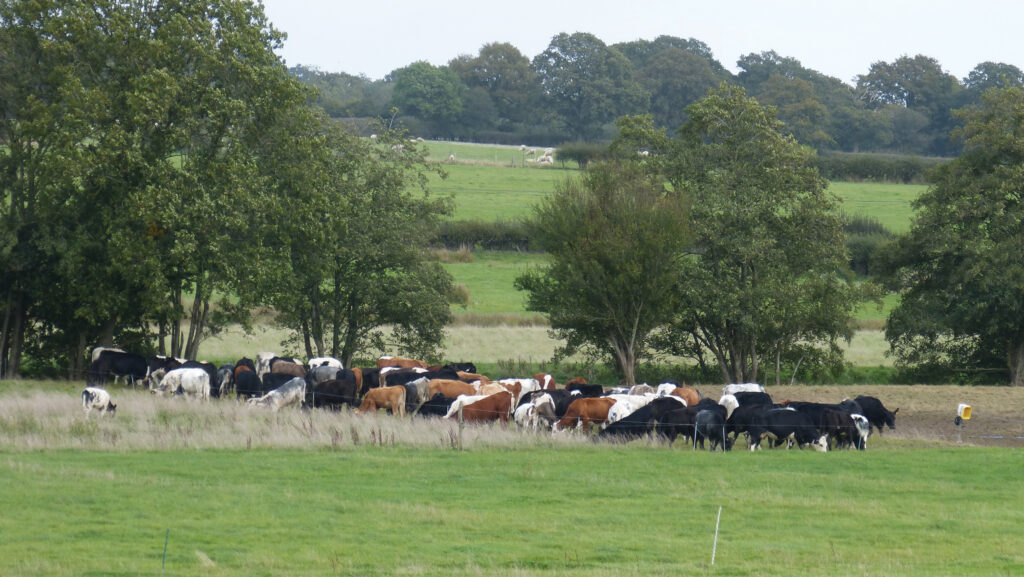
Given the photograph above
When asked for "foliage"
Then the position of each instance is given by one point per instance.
(615, 238)
(958, 270)
(766, 275)
(587, 83)
(431, 93)
(502, 235)
(864, 237)
(354, 264)
(848, 166)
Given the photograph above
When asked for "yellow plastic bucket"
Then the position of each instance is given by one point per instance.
(964, 412)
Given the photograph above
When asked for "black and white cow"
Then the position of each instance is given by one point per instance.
(710, 424)
(97, 398)
(131, 366)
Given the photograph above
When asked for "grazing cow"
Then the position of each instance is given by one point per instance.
(688, 394)
(863, 430)
(96, 398)
(642, 389)
(225, 379)
(436, 406)
(325, 362)
(526, 386)
(399, 362)
(194, 382)
(746, 398)
(585, 411)
(248, 385)
(740, 420)
(783, 425)
(394, 376)
(449, 388)
(585, 389)
(454, 367)
(271, 381)
(333, 394)
(643, 420)
(710, 424)
(471, 377)
(160, 364)
(263, 362)
(547, 382)
(370, 378)
(539, 408)
(876, 413)
(390, 398)
(291, 393)
(496, 407)
(625, 405)
(96, 351)
(461, 402)
(131, 366)
(840, 429)
(210, 369)
(283, 367)
(488, 389)
(742, 388)
(322, 373)
(244, 364)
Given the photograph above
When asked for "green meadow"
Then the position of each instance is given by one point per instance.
(584, 510)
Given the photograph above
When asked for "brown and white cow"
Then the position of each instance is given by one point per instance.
(496, 407)
(583, 412)
(449, 388)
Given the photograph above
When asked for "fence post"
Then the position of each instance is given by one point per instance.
(167, 538)
(714, 548)
(462, 424)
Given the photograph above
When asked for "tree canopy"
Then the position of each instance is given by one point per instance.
(959, 271)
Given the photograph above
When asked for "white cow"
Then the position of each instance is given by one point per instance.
(322, 361)
(291, 393)
(97, 398)
(189, 382)
(263, 363)
(626, 404)
(742, 388)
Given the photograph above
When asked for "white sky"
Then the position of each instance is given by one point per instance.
(840, 38)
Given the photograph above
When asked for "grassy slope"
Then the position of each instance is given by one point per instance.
(587, 511)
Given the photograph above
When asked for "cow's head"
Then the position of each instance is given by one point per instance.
(821, 444)
(890, 418)
(111, 408)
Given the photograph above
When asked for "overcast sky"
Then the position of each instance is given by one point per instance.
(840, 38)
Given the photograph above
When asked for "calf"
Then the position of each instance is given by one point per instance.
(291, 393)
(539, 408)
(96, 398)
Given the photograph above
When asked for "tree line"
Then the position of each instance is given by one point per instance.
(163, 176)
(578, 86)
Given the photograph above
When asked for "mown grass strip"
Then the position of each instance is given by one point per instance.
(619, 510)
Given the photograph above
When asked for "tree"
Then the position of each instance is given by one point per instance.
(351, 264)
(959, 271)
(918, 84)
(615, 238)
(766, 278)
(587, 83)
(675, 79)
(502, 71)
(428, 92)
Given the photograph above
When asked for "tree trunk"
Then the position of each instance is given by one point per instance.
(1016, 362)
(76, 360)
(17, 338)
(4, 333)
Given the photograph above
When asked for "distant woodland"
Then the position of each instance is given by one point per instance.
(577, 87)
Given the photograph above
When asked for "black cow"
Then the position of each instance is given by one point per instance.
(742, 418)
(131, 366)
(225, 379)
(405, 376)
(437, 406)
(841, 430)
(272, 381)
(371, 376)
(786, 424)
(246, 362)
(876, 413)
(747, 398)
(333, 394)
(586, 389)
(710, 424)
(248, 385)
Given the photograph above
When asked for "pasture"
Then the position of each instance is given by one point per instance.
(238, 491)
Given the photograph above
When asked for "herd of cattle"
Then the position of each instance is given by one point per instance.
(456, 391)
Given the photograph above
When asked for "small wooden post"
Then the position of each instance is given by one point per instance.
(167, 538)
(462, 424)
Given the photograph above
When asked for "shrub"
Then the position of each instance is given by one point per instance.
(853, 166)
(480, 235)
(583, 153)
(864, 235)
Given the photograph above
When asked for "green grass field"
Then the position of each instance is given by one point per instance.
(604, 510)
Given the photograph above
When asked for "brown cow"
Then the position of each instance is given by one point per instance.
(239, 369)
(400, 362)
(449, 388)
(575, 381)
(288, 368)
(390, 398)
(688, 394)
(493, 408)
(546, 381)
(359, 377)
(586, 411)
(473, 377)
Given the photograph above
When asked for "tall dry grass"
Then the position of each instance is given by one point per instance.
(49, 420)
